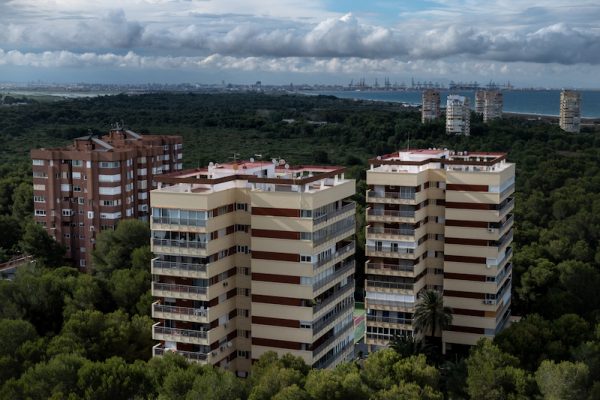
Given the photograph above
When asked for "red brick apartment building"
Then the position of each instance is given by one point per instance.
(92, 184)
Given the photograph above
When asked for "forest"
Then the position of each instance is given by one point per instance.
(72, 335)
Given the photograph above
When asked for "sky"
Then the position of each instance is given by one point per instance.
(552, 43)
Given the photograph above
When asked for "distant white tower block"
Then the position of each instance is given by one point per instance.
(458, 115)
(570, 111)
(430, 111)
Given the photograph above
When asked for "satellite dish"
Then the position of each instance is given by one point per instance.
(379, 158)
(287, 166)
(211, 164)
(251, 159)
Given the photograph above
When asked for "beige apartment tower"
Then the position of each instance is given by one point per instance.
(252, 257)
(489, 103)
(440, 220)
(89, 186)
(570, 111)
(458, 115)
(430, 110)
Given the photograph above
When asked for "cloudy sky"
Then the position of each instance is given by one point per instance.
(543, 43)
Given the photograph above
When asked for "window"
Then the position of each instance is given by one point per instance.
(39, 187)
(76, 175)
(39, 174)
(76, 188)
(306, 213)
(109, 178)
(82, 263)
(241, 206)
(109, 190)
(305, 259)
(38, 162)
(39, 199)
(77, 163)
(80, 200)
(67, 212)
(110, 164)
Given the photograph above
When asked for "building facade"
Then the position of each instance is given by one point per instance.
(440, 220)
(458, 115)
(570, 111)
(489, 103)
(90, 185)
(430, 110)
(253, 257)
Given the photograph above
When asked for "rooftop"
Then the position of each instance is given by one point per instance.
(256, 175)
(416, 160)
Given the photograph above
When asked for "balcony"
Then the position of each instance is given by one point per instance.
(345, 268)
(344, 331)
(345, 230)
(323, 323)
(389, 286)
(329, 360)
(392, 304)
(179, 291)
(374, 215)
(158, 351)
(161, 311)
(377, 232)
(398, 252)
(337, 256)
(179, 243)
(408, 197)
(177, 222)
(389, 269)
(179, 335)
(335, 297)
(507, 207)
(171, 268)
(389, 320)
(346, 209)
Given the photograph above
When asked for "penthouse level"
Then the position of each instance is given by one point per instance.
(251, 257)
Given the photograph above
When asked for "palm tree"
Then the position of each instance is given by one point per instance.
(430, 313)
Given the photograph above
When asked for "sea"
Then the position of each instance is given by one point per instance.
(535, 102)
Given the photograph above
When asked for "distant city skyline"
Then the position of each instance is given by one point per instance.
(553, 43)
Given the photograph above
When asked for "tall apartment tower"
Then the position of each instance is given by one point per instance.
(252, 257)
(430, 111)
(489, 103)
(90, 185)
(439, 220)
(458, 115)
(570, 114)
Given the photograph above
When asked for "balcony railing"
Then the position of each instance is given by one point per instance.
(392, 213)
(341, 333)
(190, 355)
(188, 333)
(349, 287)
(179, 243)
(392, 195)
(338, 232)
(399, 250)
(322, 323)
(506, 239)
(391, 231)
(390, 285)
(338, 253)
(390, 303)
(389, 320)
(508, 205)
(324, 218)
(507, 254)
(196, 312)
(179, 221)
(348, 266)
(391, 267)
(173, 265)
(327, 360)
(170, 287)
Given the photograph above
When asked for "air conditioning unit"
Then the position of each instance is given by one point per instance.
(229, 344)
